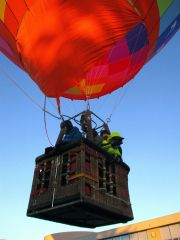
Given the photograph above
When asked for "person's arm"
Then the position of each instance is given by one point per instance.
(61, 135)
(77, 135)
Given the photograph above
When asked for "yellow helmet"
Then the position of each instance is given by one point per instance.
(114, 134)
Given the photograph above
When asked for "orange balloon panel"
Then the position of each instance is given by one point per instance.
(79, 49)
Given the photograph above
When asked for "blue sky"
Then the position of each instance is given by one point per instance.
(146, 112)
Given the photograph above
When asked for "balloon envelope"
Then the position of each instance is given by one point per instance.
(85, 49)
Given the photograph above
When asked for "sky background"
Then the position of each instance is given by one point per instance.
(146, 112)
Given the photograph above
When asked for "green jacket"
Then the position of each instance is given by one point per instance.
(106, 145)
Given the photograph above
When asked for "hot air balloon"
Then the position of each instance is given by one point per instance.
(83, 50)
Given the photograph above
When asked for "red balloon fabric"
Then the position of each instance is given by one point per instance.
(79, 49)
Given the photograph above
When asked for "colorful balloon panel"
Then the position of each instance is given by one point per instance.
(84, 49)
(169, 22)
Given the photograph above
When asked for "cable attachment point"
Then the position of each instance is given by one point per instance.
(108, 119)
(88, 102)
(58, 104)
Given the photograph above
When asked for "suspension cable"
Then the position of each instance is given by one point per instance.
(117, 103)
(126, 72)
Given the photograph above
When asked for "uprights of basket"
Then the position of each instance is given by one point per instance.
(43, 177)
(110, 180)
(104, 174)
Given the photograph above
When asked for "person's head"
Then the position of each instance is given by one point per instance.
(116, 139)
(104, 134)
(84, 122)
(66, 124)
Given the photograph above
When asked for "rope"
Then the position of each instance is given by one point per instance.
(25, 93)
(45, 122)
(59, 109)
